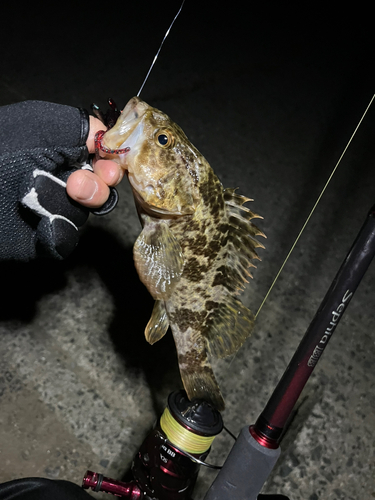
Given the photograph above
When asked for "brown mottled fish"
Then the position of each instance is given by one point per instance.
(195, 248)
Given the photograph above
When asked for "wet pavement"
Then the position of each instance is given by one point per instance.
(270, 99)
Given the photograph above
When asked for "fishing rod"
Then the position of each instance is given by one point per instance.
(167, 464)
(257, 449)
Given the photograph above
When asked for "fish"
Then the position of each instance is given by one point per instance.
(196, 246)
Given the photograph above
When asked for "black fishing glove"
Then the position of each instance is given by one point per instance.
(41, 144)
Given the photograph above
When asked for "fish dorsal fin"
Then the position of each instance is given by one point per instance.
(158, 325)
(158, 258)
(229, 322)
(227, 325)
(242, 242)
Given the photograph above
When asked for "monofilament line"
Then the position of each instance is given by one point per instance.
(315, 205)
(161, 45)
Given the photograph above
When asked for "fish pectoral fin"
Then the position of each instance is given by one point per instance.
(158, 259)
(227, 326)
(158, 325)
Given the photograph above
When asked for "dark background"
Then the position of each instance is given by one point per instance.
(270, 94)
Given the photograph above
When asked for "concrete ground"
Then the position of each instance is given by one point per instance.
(271, 99)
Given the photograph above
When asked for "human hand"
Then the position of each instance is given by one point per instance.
(43, 146)
(91, 189)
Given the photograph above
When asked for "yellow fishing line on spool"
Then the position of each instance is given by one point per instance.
(183, 438)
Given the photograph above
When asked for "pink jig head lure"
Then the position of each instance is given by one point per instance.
(109, 119)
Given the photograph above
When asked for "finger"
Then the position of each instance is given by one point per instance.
(87, 188)
(109, 172)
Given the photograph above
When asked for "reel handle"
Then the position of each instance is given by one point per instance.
(98, 482)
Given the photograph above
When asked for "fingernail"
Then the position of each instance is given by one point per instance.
(87, 189)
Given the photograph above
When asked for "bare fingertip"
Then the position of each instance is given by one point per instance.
(120, 175)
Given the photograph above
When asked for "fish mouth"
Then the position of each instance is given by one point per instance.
(128, 128)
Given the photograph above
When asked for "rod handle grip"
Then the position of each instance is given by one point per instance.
(245, 471)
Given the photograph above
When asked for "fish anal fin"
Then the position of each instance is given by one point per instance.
(158, 258)
(227, 326)
(158, 325)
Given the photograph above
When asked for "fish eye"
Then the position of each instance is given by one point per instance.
(164, 138)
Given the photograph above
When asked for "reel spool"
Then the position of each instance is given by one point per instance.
(168, 461)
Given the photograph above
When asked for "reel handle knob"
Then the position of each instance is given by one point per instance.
(98, 482)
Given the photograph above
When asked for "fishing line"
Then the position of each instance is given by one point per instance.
(161, 45)
(315, 205)
(183, 438)
(186, 441)
(309, 217)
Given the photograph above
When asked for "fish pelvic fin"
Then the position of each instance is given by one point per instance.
(158, 258)
(158, 325)
(199, 382)
(227, 326)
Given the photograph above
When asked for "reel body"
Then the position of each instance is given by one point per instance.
(167, 464)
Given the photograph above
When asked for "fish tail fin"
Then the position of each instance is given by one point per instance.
(201, 383)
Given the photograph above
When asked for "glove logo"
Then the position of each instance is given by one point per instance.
(31, 199)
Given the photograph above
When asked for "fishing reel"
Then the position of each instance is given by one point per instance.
(167, 463)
